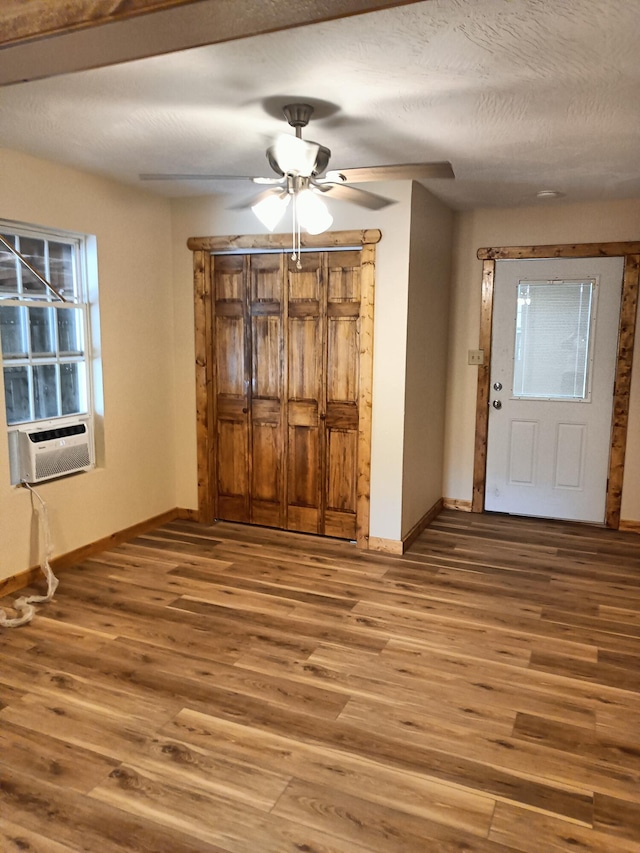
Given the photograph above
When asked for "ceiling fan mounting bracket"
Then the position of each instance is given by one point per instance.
(298, 115)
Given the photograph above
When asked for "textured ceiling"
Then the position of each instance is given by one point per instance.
(520, 96)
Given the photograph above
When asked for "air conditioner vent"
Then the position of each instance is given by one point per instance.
(55, 463)
(59, 432)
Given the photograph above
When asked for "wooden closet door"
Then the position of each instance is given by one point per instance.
(305, 394)
(266, 458)
(341, 394)
(287, 347)
(232, 373)
(323, 341)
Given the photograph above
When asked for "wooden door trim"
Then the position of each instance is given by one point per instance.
(334, 239)
(205, 367)
(365, 387)
(482, 398)
(203, 248)
(630, 251)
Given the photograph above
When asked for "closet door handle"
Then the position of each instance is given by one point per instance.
(323, 417)
(244, 411)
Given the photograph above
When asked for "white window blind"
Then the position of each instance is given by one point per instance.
(552, 355)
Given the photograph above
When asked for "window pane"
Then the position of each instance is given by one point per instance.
(70, 331)
(16, 394)
(8, 261)
(42, 339)
(61, 268)
(42, 334)
(33, 251)
(12, 331)
(72, 389)
(553, 325)
(45, 391)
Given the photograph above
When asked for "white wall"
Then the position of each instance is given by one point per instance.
(427, 336)
(543, 224)
(137, 343)
(208, 217)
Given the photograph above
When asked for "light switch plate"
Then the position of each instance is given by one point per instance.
(476, 356)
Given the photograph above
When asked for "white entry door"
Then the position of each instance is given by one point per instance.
(553, 360)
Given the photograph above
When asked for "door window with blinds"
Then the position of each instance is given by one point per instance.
(44, 339)
(553, 354)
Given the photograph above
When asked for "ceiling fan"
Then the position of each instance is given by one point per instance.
(302, 179)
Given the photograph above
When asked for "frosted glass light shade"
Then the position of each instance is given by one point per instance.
(313, 214)
(270, 210)
(295, 156)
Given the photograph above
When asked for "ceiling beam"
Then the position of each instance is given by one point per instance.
(22, 21)
(44, 38)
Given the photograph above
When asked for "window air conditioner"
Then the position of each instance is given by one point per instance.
(54, 448)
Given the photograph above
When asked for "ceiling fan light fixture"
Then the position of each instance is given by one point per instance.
(294, 156)
(270, 210)
(312, 213)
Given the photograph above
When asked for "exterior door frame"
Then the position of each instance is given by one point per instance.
(626, 334)
(203, 248)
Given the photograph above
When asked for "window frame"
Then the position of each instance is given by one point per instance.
(79, 300)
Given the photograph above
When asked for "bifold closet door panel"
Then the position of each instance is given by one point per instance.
(342, 383)
(266, 291)
(305, 413)
(231, 351)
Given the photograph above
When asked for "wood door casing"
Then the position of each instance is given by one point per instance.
(346, 442)
(626, 337)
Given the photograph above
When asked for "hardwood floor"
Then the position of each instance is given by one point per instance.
(240, 689)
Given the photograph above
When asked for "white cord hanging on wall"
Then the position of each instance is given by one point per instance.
(24, 605)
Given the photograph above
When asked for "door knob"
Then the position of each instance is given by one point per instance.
(497, 404)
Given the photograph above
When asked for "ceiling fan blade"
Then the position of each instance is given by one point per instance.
(249, 202)
(153, 176)
(282, 181)
(354, 195)
(401, 172)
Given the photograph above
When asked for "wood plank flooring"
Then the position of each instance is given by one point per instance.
(236, 689)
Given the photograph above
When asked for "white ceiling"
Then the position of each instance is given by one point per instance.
(520, 96)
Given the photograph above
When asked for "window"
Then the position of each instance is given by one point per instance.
(554, 327)
(45, 350)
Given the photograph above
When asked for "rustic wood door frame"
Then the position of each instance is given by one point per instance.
(203, 248)
(622, 387)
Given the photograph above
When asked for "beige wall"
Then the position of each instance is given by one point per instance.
(427, 334)
(543, 224)
(146, 345)
(136, 317)
(209, 216)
